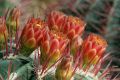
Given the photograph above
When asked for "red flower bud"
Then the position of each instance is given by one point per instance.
(3, 32)
(32, 33)
(56, 20)
(69, 25)
(73, 27)
(52, 47)
(93, 48)
(13, 19)
(64, 69)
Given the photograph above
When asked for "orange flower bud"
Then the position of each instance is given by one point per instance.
(52, 47)
(56, 20)
(69, 25)
(64, 69)
(32, 34)
(93, 48)
(73, 27)
(3, 32)
(13, 19)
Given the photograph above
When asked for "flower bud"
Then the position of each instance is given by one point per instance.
(13, 20)
(73, 27)
(52, 47)
(93, 48)
(69, 25)
(3, 32)
(56, 20)
(64, 69)
(31, 35)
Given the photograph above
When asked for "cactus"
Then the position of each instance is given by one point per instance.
(113, 25)
(78, 7)
(97, 17)
(50, 43)
(101, 17)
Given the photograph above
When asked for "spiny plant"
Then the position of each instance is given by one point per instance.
(78, 7)
(113, 30)
(101, 16)
(51, 49)
(94, 12)
(97, 17)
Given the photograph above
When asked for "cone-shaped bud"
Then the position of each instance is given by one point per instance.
(72, 26)
(64, 69)
(56, 20)
(52, 46)
(93, 48)
(31, 35)
(3, 32)
(13, 19)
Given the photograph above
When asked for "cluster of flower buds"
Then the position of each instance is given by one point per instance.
(3, 32)
(52, 46)
(72, 27)
(69, 25)
(58, 34)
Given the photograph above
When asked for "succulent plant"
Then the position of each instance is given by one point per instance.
(51, 42)
(101, 17)
(113, 25)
